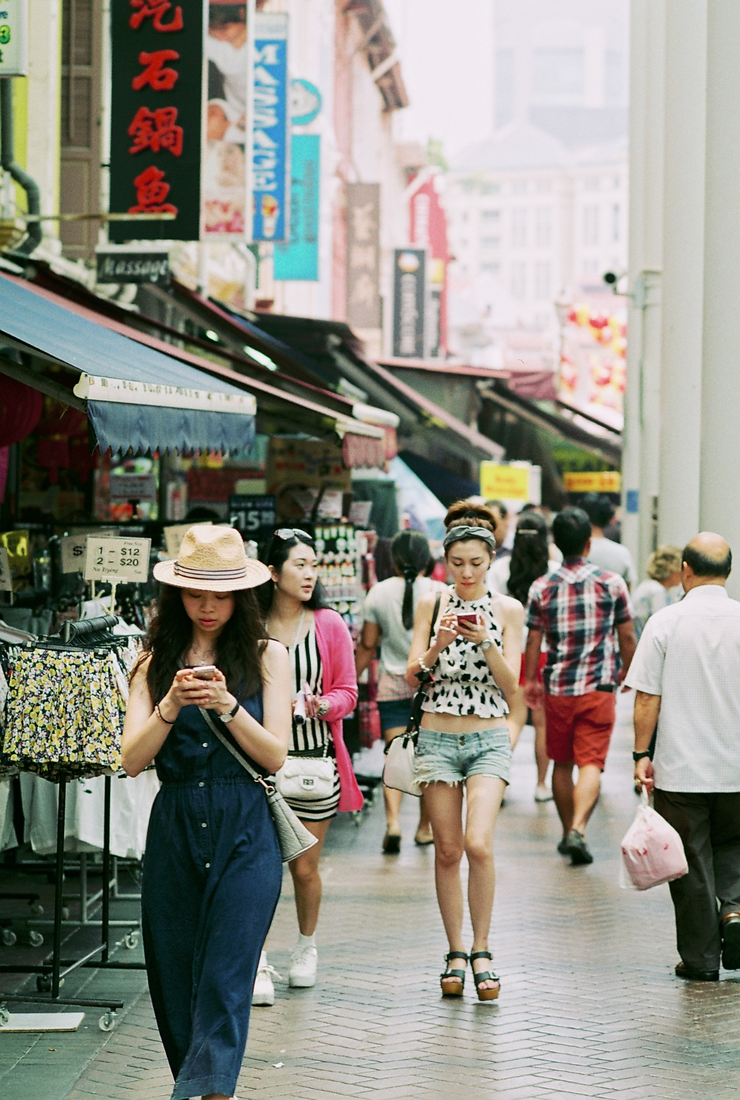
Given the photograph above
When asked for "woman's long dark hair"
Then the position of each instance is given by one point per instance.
(276, 553)
(529, 557)
(410, 550)
(239, 647)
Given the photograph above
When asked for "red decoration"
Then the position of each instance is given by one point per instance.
(155, 9)
(156, 130)
(155, 74)
(20, 410)
(150, 193)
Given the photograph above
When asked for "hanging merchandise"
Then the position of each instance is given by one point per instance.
(20, 410)
(340, 572)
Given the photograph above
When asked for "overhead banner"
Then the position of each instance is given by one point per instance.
(363, 255)
(226, 191)
(270, 133)
(299, 259)
(409, 297)
(156, 111)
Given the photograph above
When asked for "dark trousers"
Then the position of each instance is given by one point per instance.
(709, 826)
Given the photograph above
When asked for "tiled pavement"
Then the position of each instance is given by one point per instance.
(589, 1005)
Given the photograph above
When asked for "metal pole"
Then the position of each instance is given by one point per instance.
(7, 155)
(58, 898)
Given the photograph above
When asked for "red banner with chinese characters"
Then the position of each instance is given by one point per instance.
(156, 113)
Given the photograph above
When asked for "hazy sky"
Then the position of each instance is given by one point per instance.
(445, 48)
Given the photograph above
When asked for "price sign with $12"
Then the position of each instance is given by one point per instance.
(109, 559)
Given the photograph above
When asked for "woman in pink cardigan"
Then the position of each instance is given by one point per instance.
(323, 666)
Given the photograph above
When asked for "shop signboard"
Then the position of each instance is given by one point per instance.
(253, 516)
(603, 481)
(156, 112)
(116, 559)
(298, 259)
(13, 38)
(363, 255)
(409, 299)
(270, 129)
(227, 154)
(139, 487)
(499, 482)
(428, 229)
(125, 266)
(6, 577)
(74, 551)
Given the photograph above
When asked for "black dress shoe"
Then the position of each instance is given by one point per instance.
(690, 975)
(730, 932)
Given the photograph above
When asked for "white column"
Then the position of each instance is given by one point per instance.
(683, 269)
(720, 395)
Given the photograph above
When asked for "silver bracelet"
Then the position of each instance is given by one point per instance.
(422, 666)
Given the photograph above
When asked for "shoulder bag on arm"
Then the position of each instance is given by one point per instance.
(398, 772)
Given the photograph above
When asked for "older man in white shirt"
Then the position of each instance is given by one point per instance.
(686, 673)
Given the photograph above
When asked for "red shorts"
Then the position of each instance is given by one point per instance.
(540, 665)
(579, 727)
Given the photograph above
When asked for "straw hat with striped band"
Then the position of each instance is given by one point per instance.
(212, 559)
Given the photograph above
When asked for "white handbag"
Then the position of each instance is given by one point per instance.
(398, 771)
(308, 778)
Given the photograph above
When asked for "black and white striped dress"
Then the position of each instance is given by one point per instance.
(313, 734)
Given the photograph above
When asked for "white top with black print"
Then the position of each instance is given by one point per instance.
(463, 683)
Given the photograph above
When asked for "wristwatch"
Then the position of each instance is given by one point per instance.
(231, 714)
(639, 755)
(486, 644)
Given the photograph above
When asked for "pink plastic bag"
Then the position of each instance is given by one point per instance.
(652, 852)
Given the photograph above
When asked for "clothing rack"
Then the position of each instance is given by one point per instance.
(87, 634)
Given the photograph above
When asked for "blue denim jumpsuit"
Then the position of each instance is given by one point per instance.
(212, 878)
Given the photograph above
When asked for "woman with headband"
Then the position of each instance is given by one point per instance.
(474, 659)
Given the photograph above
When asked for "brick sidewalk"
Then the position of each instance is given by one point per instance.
(589, 1005)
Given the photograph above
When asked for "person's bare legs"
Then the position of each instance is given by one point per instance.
(540, 746)
(444, 805)
(425, 825)
(585, 793)
(392, 798)
(484, 794)
(517, 716)
(307, 880)
(562, 792)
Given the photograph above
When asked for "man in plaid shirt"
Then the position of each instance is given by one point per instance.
(577, 609)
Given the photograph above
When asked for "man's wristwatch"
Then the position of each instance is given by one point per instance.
(639, 755)
(231, 714)
(486, 644)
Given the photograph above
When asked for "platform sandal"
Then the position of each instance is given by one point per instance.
(485, 976)
(453, 981)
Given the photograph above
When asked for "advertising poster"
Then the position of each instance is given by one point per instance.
(228, 130)
(156, 112)
(299, 258)
(593, 364)
(409, 297)
(270, 132)
(363, 255)
(428, 229)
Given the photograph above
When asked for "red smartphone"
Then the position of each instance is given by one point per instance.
(204, 672)
(469, 620)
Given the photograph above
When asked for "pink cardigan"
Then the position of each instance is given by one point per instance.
(339, 687)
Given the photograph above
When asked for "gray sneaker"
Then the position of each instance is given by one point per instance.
(577, 849)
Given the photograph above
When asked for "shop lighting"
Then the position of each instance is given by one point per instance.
(261, 358)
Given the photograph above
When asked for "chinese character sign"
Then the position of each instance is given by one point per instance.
(13, 38)
(409, 299)
(156, 111)
(299, 258)
(270, 128)
(228, 49)
(363, 255)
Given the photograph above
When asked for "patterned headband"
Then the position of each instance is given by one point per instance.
(459, 534)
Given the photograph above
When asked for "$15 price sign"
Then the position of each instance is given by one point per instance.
(117, 560)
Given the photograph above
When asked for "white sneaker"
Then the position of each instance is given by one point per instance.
(303, 964)
(543, 793)
(264, 991)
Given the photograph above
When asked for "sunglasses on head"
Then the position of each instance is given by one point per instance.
(286, 533)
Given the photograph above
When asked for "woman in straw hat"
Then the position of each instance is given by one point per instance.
(212, 870)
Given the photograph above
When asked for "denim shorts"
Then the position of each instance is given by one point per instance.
(453, 757)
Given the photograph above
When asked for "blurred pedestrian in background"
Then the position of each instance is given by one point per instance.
(388, 622)
(501, 526)
(604, 552)
(662, 588)
(576, 609)
(323, 671)
(514, 576)
(463, 743)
